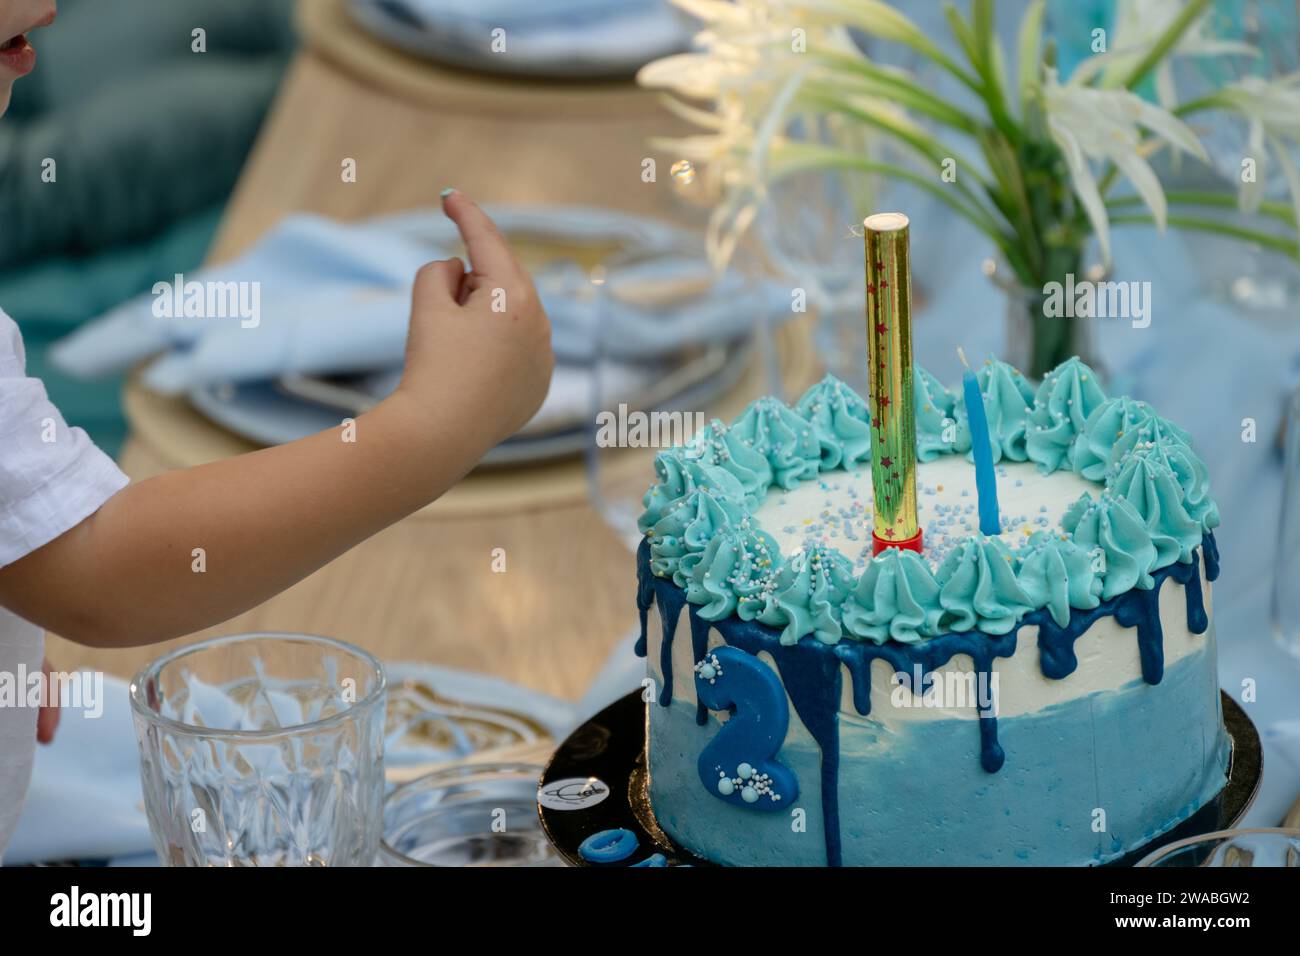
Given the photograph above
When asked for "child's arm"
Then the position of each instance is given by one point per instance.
(268, 519)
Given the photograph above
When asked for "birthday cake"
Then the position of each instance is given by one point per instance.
(1045, 694)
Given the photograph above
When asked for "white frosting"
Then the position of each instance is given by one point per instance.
(835, 509)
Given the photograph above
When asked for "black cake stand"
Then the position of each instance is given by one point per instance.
(596, 781)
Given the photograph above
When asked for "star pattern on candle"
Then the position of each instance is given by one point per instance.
(888, 322)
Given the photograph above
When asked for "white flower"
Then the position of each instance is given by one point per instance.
(754, 58)
(1272, 110)
(1138, 25)
(1091, 124)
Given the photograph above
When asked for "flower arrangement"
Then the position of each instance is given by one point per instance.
(1034, 168)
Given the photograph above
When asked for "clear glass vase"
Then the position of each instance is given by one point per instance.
(1037, 342)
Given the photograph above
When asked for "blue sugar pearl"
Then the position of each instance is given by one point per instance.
(726, 787)
(608, 846)
(707, 672)
(744, 771)
(749, 795)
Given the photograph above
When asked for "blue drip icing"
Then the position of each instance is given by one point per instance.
(645, 596)
(811, 675)
(1139, 609)
(699, 645)
(1211, 549)
(929, 657)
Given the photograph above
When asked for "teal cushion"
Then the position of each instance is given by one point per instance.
(50, 299)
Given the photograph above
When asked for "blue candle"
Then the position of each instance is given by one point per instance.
(985, 481)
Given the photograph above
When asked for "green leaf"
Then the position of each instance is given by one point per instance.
(876, 113)
(794, 157)
(1219, 227)
(1027, 55)
(986, 57)
(1163, 45)
(965, 36)
(1283, 212)
(880, 19)
(900, 87)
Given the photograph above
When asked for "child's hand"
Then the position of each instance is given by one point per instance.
(480, 343)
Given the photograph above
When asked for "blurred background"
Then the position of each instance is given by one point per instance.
(302, 144)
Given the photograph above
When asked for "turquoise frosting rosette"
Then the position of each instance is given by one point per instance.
(778, 433)
(1188, 468)
(717, 444)
(896, 598)
(688, 527)
(1149, 485)
(810, 588)
(1008, 397)
(1109, 423)
(1111, 526)
(935, 412)
(978, 589)
(841, 422)
(739, 561)
(1152, 508)
(1062, 404)
(680, 474)
(1057, 574)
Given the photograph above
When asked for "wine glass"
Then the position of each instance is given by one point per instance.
(1286, 596)
(811, 229)
(640, 408)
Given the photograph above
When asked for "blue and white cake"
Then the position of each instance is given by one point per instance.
(1047, 696)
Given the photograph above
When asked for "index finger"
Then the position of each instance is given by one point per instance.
(489, 254)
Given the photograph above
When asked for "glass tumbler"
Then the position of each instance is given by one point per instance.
(480, 814)
(1247, 847)
(1286, 574)
(262, 750)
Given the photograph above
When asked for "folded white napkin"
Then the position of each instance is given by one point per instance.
(317, 296)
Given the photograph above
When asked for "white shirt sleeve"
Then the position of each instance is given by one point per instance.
(52, 477)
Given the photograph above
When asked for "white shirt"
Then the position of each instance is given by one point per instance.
(52, 477)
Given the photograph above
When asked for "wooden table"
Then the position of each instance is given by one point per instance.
(425, 589)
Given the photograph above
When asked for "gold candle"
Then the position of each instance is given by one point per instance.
(891, 397)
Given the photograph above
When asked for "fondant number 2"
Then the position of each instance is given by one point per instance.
(739, 764)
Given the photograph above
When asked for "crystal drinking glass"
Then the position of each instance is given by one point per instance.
(1246, 847)
(468, 815)
(1286, 594)
(262, 750)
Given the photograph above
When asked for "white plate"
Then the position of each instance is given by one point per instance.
(263, 413)
(573, 40)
